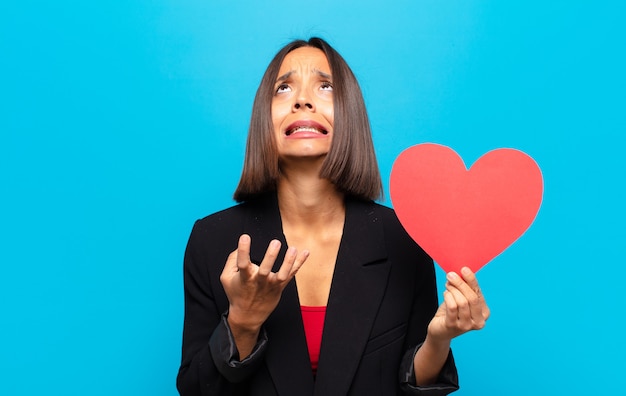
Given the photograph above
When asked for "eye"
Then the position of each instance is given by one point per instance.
(283, 88)
(326, 86)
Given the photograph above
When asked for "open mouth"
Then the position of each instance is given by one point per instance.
(306, 129)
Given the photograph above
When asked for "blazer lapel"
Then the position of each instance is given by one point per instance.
(287, 357)
(359, 282)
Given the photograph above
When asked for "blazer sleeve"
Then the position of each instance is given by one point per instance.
(210, 361)
(425, 304)
(424, 307)
(447, 382)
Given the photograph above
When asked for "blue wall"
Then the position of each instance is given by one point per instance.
(123, 122)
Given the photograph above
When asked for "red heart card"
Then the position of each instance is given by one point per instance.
(464, 217)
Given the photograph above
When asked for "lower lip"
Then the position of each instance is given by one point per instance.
(306, 135)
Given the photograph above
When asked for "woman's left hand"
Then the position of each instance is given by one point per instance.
(464, 307)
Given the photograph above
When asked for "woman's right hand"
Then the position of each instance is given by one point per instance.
(254, 291)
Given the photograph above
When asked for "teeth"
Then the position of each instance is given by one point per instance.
(305, 129)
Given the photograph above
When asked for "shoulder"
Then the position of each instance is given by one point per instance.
(234, 216)
(384, 214)
(397, 240)
(219, 228)
(224, 216)
(228, 224)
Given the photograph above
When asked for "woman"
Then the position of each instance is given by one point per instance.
(353, 309)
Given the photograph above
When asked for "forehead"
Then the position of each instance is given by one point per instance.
(305, 59)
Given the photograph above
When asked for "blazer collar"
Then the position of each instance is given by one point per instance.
(357, 290)
(358, 285)
(287, 358)
(363, 232)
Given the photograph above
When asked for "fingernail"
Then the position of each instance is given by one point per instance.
(275, 244)
(465, 271)
(452, 276)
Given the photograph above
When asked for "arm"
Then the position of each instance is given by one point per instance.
(425, 357)
(198, 373)
(216, 357)
(464, 309)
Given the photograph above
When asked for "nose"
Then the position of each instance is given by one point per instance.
(303, 101)
(299, 104)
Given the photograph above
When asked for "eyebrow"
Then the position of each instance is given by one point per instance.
(320, 73)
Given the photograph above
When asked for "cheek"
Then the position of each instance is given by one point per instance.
(330, 115)
(278, 114)
(326, 107)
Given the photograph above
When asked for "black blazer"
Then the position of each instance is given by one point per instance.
(383, 296)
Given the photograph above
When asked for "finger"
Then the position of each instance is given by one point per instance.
(293, 262)
(470, 296)
(481, 307)
(471, 307)
(230, 268)
(463, 307)
(451, 309)
(285, 269)
(270, 257)
(243, 256)
(470, 278)
(458, 282)
(300, 260)
(231, 262)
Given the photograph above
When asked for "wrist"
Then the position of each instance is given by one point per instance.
(241, 325)
(437, 344)
(430, 359)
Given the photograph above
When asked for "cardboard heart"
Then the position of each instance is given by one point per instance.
(465, 217)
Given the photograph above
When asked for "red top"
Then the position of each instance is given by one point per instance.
(313, 319)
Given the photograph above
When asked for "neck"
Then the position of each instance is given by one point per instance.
(307, 200)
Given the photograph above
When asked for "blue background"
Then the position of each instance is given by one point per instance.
(123, 122)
